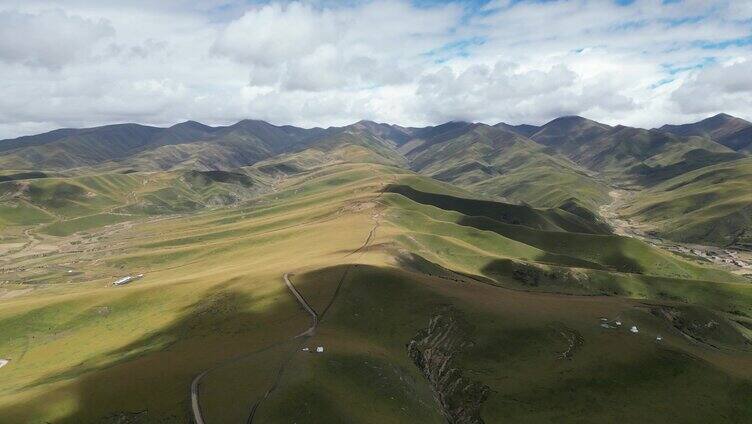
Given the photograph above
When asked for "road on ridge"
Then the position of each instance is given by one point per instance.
(305, 305)
(196, 408)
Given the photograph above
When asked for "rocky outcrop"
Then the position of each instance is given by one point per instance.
(434, 350)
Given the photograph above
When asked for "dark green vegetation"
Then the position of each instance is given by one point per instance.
(461, 273)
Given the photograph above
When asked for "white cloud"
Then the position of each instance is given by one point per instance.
(718, 87)
(484, 93)
(302, 47)
(330, 63)
(50, 39)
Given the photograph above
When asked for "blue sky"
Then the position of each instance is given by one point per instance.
(641, 62)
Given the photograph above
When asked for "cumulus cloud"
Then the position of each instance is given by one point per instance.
(483, 92)
(716, 87)
(321, 62)
(50, 39)
(302, 47)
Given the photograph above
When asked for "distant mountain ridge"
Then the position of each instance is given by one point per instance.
(193, 144)
(547, 165)
(732, 132)
(571, 162)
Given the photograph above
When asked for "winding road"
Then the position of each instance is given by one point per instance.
(194, 398)
(196, 406)
(195, 384)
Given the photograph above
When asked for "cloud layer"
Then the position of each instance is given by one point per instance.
(644, 63)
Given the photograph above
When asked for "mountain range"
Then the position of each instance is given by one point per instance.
(570, 162)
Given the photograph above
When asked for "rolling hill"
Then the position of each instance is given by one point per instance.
(570, 163)
(409, 278)
(708, 205)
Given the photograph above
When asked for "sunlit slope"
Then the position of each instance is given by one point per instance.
(472, 229)
(427, 267)
(212, 291)
(545, 186)
(712, 204)
(501, 164)
(70, 204)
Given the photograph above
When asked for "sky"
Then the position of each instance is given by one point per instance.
(76, 63)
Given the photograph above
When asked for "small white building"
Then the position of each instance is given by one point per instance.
(121, 281)
(320, 349)
(4, 362)
(127, 279)
(634, 329)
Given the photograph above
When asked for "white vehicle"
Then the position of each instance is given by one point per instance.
(320, 349)
(634, 329)
(4, 362)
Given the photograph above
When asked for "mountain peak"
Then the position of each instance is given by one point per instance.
(572, 120)
(567, 130)
(718, 127)
(195, 125)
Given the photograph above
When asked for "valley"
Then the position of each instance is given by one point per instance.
(736, 259)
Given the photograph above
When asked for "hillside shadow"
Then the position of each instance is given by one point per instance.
(508, 213)
(148, 380)
(560, 248)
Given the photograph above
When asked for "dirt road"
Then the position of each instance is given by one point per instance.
(195, 405)
(305, 305)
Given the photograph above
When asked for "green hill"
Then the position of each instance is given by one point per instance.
(71, 204)
(711, 204)
(430, 303)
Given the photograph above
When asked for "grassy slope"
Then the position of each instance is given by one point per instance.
(207, 299)
(213, 298)
(710, 204)
(545, 187)
(72, 204)
(499, 239)
(500, 164)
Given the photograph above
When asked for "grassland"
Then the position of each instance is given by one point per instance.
(376, 265)
(710, 204)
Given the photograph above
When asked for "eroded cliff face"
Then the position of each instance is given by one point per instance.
(434, 350)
